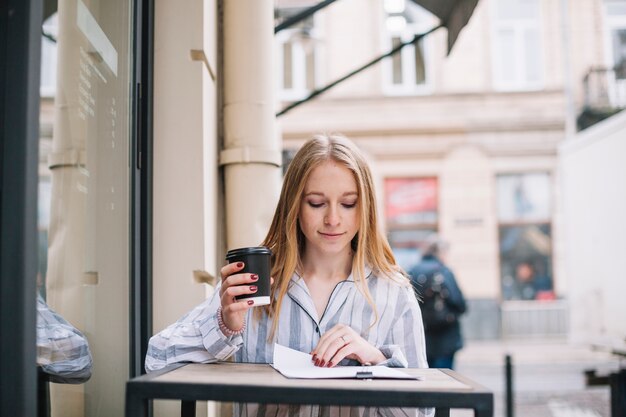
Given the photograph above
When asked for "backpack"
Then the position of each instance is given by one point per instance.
(433, 291)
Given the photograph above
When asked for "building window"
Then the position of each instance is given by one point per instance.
(618, 36)
(49, 57)
(411, 213)
(524, 213)
(616, 39)
(407, 71)
(297, 56)
(517, 45)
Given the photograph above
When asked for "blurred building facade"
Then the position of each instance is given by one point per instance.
(466, 145)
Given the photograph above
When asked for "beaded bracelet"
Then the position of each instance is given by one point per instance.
(227, 331)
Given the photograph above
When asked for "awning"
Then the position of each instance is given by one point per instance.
(453, 14)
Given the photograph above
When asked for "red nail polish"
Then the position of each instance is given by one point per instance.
(254, 277)
(322, 363)
(330, 364)
(253, 288)
(314, 358)
(250, 302)
(239, 264)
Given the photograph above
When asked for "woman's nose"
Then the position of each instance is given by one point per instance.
(332, 217)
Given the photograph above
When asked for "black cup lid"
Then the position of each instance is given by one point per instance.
(256, 250)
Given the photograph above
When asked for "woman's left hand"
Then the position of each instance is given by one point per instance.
(343, 342)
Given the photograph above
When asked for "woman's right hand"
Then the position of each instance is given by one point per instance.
(233, 285)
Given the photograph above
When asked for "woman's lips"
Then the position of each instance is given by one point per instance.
(331, 235)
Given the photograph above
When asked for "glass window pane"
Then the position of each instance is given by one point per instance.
(43, 224)
(297, 51)
(524, 197)
(615, 8)
(49, 56)
(619, 53)
(287, 66)
(532, 55)
(506, 58)
(84, 222)
(395, 24)
(310, 70)
(420, 64)
(394, 6)
(517, 9)
(415, 13)
(396, 63)
(526, 262)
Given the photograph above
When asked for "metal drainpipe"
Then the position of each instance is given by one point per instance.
(252, 152)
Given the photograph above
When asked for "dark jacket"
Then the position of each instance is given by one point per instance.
(447, 340)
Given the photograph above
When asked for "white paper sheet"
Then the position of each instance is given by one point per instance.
(294, 364)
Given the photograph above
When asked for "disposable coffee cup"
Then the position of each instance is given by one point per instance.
(256, 260)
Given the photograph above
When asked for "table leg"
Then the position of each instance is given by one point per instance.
(135, 405)
(187, 409)
(483, 412)
(43, 394)
(442, 412)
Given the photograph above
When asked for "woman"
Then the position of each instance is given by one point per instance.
(337, 291)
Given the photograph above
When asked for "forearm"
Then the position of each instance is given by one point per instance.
(194, 338)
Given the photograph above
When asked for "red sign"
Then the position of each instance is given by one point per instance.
(410, 198)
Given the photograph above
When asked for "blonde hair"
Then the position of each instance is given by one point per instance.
(286, 240)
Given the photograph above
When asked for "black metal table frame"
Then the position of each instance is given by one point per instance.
(141, 389)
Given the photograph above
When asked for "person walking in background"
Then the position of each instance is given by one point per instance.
(442, 304)
(337, 292)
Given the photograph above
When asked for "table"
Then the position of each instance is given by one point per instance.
(223, 381)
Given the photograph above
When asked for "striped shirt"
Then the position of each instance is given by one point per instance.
(398, 334)
(62, 350)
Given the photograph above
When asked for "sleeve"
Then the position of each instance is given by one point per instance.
(196, 337)
(405, 344)
(62, 350)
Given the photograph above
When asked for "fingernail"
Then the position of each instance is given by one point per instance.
(317, 362)
(254, 277)
(322, 363)
(239, 264)
(250, 302)
(314, 358)
(330, 364)
(253, 288)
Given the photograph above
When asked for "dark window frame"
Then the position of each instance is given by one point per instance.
(140, 291)
(20, 47)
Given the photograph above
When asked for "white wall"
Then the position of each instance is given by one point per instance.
(185, 161)
(593, 166)
(178, 246)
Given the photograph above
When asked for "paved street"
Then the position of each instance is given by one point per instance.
(548, 377)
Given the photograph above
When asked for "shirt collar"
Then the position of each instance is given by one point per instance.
(299, 293)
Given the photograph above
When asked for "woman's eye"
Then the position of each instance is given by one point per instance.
(349, 205)
(315, 205)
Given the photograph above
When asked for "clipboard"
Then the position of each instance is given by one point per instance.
(295, 364)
